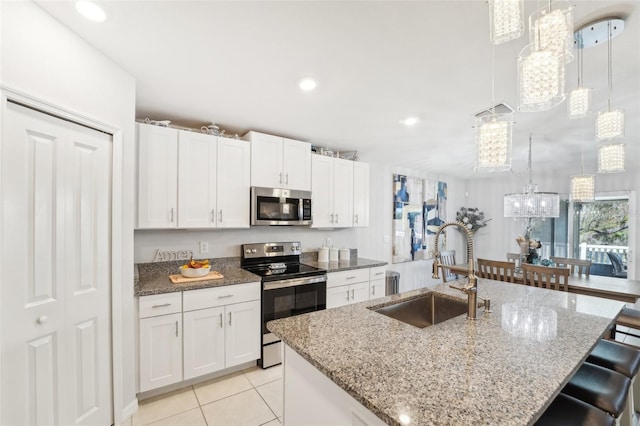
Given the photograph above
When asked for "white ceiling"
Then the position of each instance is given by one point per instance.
(237, 63)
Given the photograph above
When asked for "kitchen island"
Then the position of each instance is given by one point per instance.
(505, 368)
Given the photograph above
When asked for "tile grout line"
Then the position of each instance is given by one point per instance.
(260, 395)
(200, 406)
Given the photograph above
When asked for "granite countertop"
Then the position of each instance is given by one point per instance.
(346, 265)
(459, 371)
(153, 278)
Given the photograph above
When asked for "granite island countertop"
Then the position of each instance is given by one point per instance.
(153, 278)
(495, 370)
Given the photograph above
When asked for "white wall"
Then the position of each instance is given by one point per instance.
(498, 238)
(44, 60)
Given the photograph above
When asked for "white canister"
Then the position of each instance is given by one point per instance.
(323, 254)
(345, 254)
(334, 254)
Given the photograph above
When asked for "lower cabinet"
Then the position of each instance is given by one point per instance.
(214, 329)
(353, 286)
(347, 294)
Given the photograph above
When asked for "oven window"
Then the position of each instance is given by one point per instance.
(290, 301)
(270, 208)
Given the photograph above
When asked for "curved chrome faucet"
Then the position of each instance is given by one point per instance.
(471, 289)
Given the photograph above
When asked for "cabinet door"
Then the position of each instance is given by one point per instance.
(342, 193)
(266, 160)
(360, 194)
(359, 292)
(157, 176)
(160, 351)
(338, 296)
(233, 183)
(196, 180)
(243, 328)
(203, 342)
(322, 191)
(376, 288)
(296, 159)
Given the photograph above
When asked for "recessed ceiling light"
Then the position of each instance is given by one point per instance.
(90, 10)
(308, 84)
(410, 121)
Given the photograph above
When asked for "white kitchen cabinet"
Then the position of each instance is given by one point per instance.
(160, 351)
(233, 183)
(197, 171)
(355, 285)
(332, 192)
(278, 162)
(157, 176)
(376, 288)
(360, 194)
(192, 180)
(243, 333)
(347, 294)
(204, 345)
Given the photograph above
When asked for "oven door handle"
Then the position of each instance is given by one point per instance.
(294, 282)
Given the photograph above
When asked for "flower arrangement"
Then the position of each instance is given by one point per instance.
(471, 217)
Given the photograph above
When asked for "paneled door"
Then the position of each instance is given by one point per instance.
(56, 271)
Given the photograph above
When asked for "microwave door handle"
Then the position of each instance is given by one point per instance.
(300, 209)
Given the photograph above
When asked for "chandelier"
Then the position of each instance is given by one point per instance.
(610, 123)
(579, 103)
(552, 30)
(531, 203)
(611, 158)
(506, 20)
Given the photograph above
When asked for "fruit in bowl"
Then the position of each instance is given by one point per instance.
(195, 268)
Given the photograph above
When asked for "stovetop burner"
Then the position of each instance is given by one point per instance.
(276, 261)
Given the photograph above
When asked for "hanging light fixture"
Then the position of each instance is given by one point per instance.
(493, 133)
(506, 20)
(583, 186)
(531, 203)
(551, 29)
(579, 104)
(610, 123)
(611, 158)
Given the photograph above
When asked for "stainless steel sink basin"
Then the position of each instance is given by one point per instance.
(425, 311)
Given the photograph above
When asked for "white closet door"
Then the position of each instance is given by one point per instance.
(56, 280)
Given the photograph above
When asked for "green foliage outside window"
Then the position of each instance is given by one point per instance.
(605, 222)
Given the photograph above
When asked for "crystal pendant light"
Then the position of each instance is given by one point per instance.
(540, 79)
(579, 104)
(610, 123)
(583, 186)
(493, 134)
(551, 29)
(506, 20)
(611, 158)
(531, 203)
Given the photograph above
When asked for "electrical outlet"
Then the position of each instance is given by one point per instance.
(204, 247)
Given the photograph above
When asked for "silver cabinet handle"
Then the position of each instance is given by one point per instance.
(42, 319)
(352, 294)
(356, 218)
(373, 290)
(286, 178)
(161, 306)
(337, 218)
(220, 319)
(379, 273)
(347, 295)
(176, 328)
(331, 220)
(171, 215)
(225, 296)
(229, 318)
(213, 215)
(220, 216)
(349, 278)
(280, 178)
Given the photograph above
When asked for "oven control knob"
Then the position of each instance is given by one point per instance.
(247, 251)
(254, 251)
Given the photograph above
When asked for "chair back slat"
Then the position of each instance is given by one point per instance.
(578, 267)
(546, 277)
(513, 257)
(496, 270)
(448, 257)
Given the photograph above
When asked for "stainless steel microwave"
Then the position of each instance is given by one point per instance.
(275, 206)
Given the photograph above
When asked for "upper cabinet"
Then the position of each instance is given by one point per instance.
(191, 180)
(157, 176)
(332, 192)
(360, 194)
(278, 162)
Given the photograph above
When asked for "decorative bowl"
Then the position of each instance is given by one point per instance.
(194, 272)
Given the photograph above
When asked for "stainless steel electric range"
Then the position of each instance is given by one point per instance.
(288, 288)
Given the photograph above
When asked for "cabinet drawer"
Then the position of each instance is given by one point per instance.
(159, 304)
(347, 277)
(377, 273)
(219, 296)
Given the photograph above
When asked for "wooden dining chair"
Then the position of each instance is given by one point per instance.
(496, 270)
(546, 277)
(448, 257)
(577, 267)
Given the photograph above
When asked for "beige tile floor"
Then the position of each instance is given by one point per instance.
(251, 397)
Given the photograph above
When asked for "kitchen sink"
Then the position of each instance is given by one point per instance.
(425, 311)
